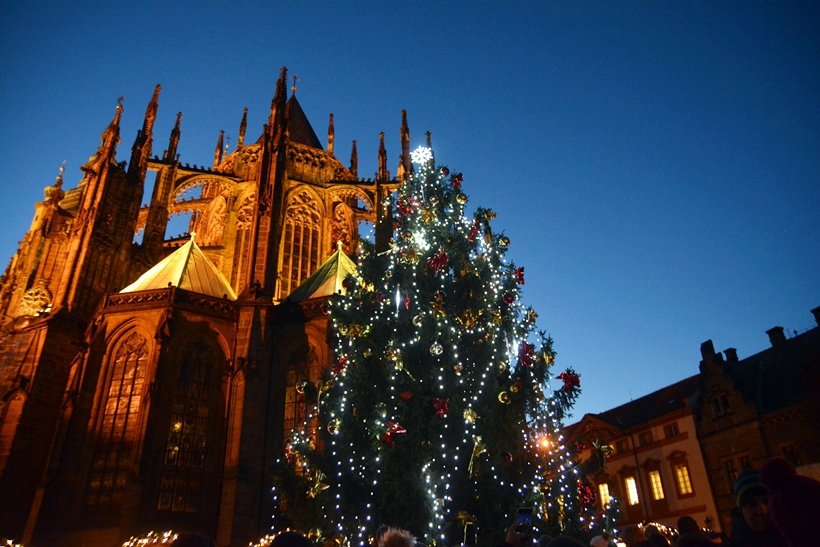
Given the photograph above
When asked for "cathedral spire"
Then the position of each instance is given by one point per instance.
(331, 134)
(383, 174)
(243, 125)
(109, 139)
(354, 160)
(173, 142)
(219, 145)
(404, 159)
(428, 137)
(277, 105)
(151, 112)
(141, 150)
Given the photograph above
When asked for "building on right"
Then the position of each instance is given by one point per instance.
(752, 409)
(679, 449)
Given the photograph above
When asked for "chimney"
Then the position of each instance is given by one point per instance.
(731, 355)
(816, 313)
(707, 350)
(776, 336)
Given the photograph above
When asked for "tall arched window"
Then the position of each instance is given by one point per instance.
(186, 450)
(117, 432)
(244, 221)
(300, 242)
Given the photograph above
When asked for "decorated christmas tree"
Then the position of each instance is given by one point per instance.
(441, 412)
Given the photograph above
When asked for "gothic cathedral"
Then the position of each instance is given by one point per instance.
(146, 382)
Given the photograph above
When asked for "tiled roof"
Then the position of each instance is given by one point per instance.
(187, 268)
(299, 127)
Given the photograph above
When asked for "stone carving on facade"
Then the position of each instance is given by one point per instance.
(343, 227)
(35, 302)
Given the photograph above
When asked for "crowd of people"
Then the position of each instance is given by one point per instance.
(776, 507)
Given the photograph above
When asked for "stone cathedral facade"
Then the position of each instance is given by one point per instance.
(148, 385)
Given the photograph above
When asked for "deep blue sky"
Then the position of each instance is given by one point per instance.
(655, 164)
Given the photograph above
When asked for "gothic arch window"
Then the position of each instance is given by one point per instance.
(117, 431)
(300, 391)
(192, 414)
(244, 220)
(301, 247)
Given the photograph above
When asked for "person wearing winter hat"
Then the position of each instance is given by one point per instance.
(794, 502)
(752, 526)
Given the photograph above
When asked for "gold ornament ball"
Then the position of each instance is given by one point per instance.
(461, 199)
(504, 398)
(458, 369)
(436, 349)
(407, 235)
(301, 386)
(504, 241)
(418, 320)
(514, 388)
(333, 426)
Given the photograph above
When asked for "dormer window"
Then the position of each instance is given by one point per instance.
(720, 405)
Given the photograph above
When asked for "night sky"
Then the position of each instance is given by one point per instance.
(655, 164)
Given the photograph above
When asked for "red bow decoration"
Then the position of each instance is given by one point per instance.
(406, 206)
(525, 354)
(509, 299)
(519, 275)
(473, 232)
(340, 365)
(393, 428)
(441, 406)
(406, 395)
(406, 302)
(438, 261)
(586, 496)
(570, 378)
(457, 179)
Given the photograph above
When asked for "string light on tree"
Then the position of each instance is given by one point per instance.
(443, 408)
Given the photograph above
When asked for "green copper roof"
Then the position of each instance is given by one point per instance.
(187, 268)
(327, 279)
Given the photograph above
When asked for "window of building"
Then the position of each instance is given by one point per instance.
(603, 494)
(670, 430)
(295, 408)
(682, 479)
(621, 446)
(655, 484)
(645, 438)
(116, 437)
(186, 450)
(720, 405)
(300, 243)
(731, 470)
(631, 491)
(791, 454)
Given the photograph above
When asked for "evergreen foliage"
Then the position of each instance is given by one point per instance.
(436, 414)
